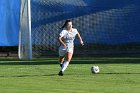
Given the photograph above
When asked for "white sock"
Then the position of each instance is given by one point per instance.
(64, 66)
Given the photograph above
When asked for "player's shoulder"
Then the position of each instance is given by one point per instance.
(75, 30)
(63, 31)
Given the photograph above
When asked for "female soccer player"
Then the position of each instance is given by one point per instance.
(66, 40)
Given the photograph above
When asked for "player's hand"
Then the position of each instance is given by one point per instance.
(82, 43)
(64, 46)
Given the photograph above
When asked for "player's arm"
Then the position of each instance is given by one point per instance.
(80, 38)
(61, 42)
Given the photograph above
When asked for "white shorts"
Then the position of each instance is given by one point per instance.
(63, 51)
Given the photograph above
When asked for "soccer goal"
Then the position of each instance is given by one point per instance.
(107, 27)
(25, 42)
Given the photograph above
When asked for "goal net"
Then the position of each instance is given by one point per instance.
(108, 27)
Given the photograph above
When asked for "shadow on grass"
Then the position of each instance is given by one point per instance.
(119, 73)
(20, 76)
(110, 73)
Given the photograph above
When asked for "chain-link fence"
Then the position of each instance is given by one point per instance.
(108, 27)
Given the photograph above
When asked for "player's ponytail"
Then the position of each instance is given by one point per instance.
(65, 24)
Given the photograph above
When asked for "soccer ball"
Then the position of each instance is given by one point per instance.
(95, 69)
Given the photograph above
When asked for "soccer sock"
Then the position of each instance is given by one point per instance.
(64, 66)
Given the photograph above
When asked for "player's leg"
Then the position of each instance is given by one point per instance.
(62, 53)
(61, 60)
(66, 63)
(68, 56)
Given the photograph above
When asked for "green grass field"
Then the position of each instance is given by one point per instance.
(117, 75)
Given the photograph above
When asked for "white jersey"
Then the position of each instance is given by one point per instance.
(68, 37)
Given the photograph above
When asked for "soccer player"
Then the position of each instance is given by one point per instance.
(66, 40)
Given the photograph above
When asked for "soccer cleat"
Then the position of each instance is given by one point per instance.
(60, 73)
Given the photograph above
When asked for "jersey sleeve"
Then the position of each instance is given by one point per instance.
(76, 31)
(62, 33)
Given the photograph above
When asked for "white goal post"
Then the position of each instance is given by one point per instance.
(25, 42)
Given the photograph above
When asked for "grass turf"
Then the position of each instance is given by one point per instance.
(40, 76)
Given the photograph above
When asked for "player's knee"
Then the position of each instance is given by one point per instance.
(61, 59)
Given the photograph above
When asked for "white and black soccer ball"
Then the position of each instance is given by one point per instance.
(95, 69)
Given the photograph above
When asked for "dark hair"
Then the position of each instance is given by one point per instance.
(66, 22)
